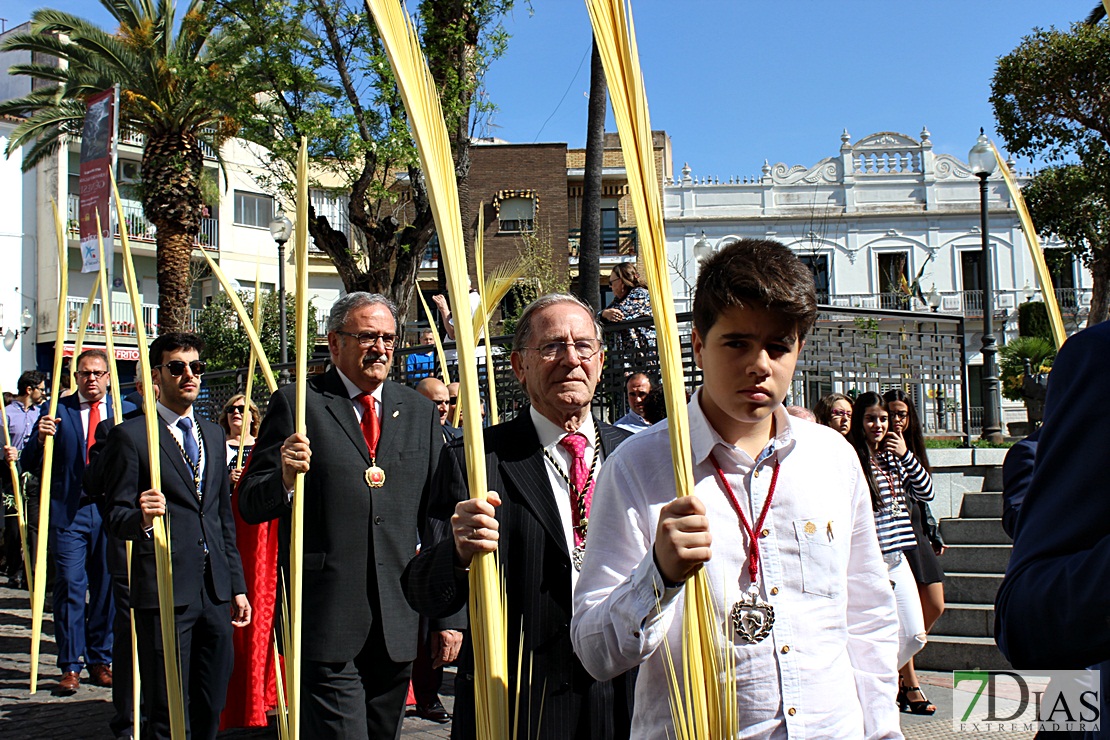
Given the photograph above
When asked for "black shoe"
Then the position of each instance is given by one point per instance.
(433, 712)
(922, 706)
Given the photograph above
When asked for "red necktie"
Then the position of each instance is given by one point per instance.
(580, 482)
(94, 421)
(371, 427)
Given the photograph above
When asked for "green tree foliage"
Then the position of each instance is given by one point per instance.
(1051, 96)
(226, 344)
(175, 75)
(331, 82)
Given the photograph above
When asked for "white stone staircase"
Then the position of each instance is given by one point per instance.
(974, 563)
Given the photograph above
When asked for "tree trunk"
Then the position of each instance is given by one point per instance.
(1100, 290)
(589, 244)
(172, 164)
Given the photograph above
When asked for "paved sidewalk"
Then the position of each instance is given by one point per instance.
(86, 714)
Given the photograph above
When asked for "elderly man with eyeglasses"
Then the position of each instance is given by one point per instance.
(541, 466)
(368, 456)
(83, 609)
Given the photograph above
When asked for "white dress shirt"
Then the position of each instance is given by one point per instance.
(353, 391)
(170, 419)
(550, 435)
(86, 406)
(827, 670)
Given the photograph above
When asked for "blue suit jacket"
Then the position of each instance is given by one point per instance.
(66, 486)
(1051, 611)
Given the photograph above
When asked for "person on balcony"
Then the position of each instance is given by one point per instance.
(635, 346)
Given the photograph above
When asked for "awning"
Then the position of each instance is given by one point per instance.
(128, 354)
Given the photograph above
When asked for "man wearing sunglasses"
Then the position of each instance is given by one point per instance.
(368, 456)
(540, 467)
(83, 609)
(195, 498)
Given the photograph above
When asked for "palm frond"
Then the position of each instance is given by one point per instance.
(496, 286)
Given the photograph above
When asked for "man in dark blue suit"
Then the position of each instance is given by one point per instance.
(1052, 607)
(83, 631)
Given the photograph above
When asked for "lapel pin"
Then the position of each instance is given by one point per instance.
(396, 414)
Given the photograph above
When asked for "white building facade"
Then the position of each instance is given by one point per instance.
(882, 217)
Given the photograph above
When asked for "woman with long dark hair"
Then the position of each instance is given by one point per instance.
(927, 570)
(895, 478)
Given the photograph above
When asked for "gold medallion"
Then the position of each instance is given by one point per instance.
(375, 477)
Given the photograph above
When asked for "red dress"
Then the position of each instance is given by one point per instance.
(252, 690)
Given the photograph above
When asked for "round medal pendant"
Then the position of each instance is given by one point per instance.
(577, 556)
(375, 477)
(752, 617)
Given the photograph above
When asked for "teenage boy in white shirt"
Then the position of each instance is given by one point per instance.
(824, 666)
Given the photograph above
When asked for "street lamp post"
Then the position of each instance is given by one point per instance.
(983, 165)
(280, 229)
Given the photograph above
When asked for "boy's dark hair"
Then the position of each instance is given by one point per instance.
(755, 272)
(29, 379)
(174, 340)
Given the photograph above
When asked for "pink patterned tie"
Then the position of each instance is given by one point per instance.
(581, 484)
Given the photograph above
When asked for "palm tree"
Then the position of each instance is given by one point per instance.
(173, 90)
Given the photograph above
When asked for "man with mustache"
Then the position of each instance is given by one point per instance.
(368, 456)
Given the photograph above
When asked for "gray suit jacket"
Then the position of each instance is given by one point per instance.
(564, 700)
(357, 540)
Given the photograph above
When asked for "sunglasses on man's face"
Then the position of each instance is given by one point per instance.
(177, 367)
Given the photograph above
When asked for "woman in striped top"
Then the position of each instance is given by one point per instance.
(895, 476)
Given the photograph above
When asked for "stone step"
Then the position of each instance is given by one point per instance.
(946, 653)
(981, 506)
(992, 478)
(971, 588)
(976, 558)
(974, 532)
(966, 620)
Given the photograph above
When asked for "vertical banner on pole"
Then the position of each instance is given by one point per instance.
(96, 166)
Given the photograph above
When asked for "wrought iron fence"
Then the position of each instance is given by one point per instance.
(850, 350)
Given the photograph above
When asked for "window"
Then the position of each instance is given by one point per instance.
(253, 210)
(894, 280)
(818, 264)
(516, 214)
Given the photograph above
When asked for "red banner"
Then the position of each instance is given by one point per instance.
(96, 187)
(129, 354)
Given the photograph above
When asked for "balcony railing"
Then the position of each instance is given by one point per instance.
(123, 318)
(1074, 302)
(133, 138)
(622, 242)
(139, 229)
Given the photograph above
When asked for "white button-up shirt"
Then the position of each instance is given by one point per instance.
(827, 670)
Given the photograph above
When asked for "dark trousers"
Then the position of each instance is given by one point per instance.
(204, 640)
(362, 698)
(13, 550)
(83, 630)
(122, 677)
(425, 679)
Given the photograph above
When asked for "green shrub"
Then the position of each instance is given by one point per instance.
(1011, 362)
(1033, 320)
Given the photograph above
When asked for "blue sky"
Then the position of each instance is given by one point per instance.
(735, 82)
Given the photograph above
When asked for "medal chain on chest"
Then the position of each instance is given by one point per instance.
(580, 512)
(189, 464)
(752, 617)
(890, 480)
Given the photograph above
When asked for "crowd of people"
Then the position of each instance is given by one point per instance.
(813, 528)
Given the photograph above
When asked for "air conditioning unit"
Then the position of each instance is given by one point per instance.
(130, 172)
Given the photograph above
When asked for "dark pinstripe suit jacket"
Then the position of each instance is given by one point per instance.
(536, 566)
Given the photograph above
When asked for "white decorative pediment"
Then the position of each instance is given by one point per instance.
(827, 170)
(949, 167)
(885, 140)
